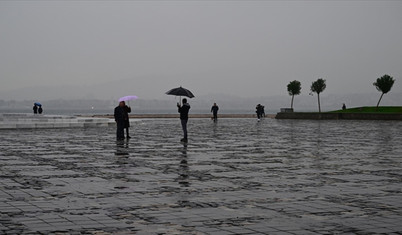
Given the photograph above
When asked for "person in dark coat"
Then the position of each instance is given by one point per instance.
(127, 110)
(183, 110)
(214, 110)
(119, 117)
(259, 111)
(262, 111)
(40, 110)
(35, 109)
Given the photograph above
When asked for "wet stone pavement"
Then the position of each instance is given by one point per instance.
(235, 177)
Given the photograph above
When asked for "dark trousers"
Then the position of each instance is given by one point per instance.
(120, 130)
(184, 127)
(215, 117)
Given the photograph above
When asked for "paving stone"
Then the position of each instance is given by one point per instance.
(236, 177)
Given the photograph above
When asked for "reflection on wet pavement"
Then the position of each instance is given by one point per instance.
(237, 176)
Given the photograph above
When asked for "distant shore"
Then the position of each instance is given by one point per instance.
(142, 116)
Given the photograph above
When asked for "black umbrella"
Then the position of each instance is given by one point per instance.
(180, 91)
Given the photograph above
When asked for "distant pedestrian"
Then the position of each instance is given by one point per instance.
(35, 109)
(119, 118)
(343, 106)
(127, 110)
(214, 110)
(259, 111)
(40, 110)
(183, 110)
(263, 111)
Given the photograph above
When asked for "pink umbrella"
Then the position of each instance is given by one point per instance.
(127, 98)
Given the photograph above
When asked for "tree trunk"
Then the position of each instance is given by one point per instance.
(291, 106)
(379, 100)
(319, 106)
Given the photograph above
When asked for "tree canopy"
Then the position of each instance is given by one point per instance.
(318, 87)
(294, 88)
(384, 85)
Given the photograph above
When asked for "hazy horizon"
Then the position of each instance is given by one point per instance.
(202, 104)
(107, 49)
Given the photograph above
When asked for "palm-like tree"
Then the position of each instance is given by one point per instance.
(384, 85)
(318, 87)
(294, 88)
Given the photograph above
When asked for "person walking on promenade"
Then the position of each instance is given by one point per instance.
(259, 111)
(214, 111)
(35, 109)
(40, 110)
(127, 110)
(263, 111)
(119, 117)
(183, 110)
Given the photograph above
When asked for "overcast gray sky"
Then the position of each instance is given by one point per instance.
(247, 48)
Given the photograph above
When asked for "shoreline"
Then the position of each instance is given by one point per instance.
(142, 116)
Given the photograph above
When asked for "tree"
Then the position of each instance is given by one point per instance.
(318, 87)
(294, 88)
(384, 84)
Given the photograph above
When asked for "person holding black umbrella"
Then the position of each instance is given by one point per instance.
(183, 110)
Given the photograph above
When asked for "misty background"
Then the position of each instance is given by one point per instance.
(84, 55)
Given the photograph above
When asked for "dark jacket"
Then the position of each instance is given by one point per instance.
(214, 109)
(119, 114)
(183, 110)
(259, 109)
(126, 118)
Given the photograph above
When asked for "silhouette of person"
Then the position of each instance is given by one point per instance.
(35, 109)
(127, 110)
(259, 111)
(214, 110)
(119, 117)
(183, 110)
(343, 106)
(262, 111)
(40, 110)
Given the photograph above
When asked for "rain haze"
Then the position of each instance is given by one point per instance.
(107, 49)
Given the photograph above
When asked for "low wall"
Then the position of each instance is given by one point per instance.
(31, 121)
(338, 116)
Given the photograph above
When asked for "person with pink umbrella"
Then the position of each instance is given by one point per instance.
(122, 118)
(127, 110)
(119, 118)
